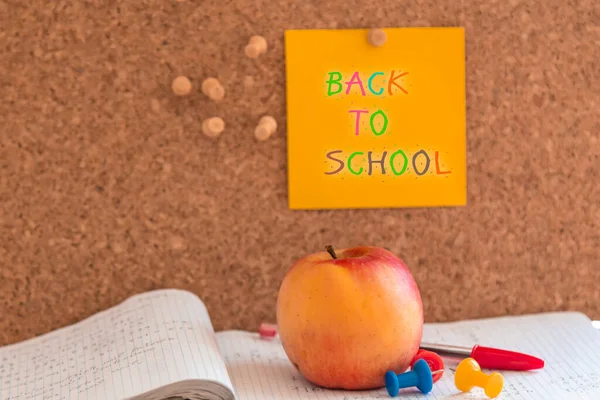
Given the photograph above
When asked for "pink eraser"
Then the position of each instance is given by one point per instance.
(267, 330)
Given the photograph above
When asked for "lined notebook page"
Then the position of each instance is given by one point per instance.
(150, 340)
(567, 342)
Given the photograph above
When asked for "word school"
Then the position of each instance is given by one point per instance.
(361, 162)
(397, 163)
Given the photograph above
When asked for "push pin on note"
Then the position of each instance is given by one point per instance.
(377, 37)
(469, 375)
(267, 330)
(419, 376)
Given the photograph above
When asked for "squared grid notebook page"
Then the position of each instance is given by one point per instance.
(149, 340)
(569, 345)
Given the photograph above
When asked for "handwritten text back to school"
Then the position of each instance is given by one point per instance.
(397, 161)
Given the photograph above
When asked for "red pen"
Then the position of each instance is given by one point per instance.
(488, 357)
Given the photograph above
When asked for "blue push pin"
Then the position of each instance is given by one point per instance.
(419, 376)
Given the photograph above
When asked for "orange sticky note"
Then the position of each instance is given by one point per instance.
(376, 127)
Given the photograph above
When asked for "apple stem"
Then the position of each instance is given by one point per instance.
(331, 251)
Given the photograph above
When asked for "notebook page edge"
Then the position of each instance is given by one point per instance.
(182, 390)
(515, 317)
(198, 346)
(91, 318)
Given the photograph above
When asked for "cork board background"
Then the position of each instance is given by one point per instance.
(109, 188)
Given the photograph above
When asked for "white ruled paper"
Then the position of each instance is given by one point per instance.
(147, 347)
(567, 342)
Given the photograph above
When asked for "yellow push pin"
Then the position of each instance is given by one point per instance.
(468, 375)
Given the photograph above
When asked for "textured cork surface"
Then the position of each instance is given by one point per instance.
(109, 188)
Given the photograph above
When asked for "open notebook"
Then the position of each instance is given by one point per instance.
(161, 345)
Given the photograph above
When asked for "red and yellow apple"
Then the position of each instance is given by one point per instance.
(345, 317)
